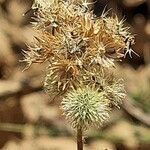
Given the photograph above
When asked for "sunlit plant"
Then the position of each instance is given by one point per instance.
(81, 49)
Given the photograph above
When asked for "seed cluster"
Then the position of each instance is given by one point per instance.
(81, 49)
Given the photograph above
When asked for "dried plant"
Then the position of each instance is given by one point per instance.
(81, 49)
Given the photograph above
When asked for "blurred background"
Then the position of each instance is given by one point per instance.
(30, 121)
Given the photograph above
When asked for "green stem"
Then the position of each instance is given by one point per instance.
(79, 139)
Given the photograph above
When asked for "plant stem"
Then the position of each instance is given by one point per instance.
(79, 139)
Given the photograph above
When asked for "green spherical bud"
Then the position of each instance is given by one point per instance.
(85, 107)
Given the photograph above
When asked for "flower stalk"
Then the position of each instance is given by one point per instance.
(79, 139)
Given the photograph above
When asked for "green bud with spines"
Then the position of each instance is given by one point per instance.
(85, 107)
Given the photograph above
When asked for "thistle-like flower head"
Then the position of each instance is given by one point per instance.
(85, 107)
(81, 50)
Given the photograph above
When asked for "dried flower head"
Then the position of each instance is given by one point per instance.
(61, 76)
(79, 46)
(69, 29)
(81, 49)
(85, 107)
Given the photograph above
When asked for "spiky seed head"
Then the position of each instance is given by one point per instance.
(78, 47)
(85, 107)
